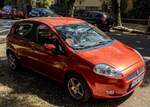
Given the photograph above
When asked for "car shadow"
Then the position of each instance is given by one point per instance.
(30, 83)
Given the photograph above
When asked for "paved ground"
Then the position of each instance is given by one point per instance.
(28, 89)
(5, 25)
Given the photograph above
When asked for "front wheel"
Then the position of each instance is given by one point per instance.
(78, 88)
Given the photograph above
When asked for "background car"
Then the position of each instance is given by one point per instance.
(41, 12)
(11, 12)
(98, 18)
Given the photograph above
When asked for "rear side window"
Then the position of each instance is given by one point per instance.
(24, 30)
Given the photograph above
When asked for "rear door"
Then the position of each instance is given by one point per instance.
(24, 38)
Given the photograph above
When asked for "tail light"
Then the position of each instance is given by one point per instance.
(103, 18)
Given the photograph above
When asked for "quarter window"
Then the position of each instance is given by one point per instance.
(24, 30)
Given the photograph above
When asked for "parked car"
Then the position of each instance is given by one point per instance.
(11, 13)
(76, 53)
(41, 12)
(98, 18)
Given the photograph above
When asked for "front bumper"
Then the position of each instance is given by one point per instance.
(103, 87)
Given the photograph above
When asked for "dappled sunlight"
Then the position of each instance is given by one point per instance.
(5, 89)
(26, 88)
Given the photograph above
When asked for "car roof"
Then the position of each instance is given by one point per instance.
(98, 12)
(55, 21)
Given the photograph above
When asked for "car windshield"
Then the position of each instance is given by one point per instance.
(82, 36)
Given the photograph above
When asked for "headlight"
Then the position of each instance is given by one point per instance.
(106, 70)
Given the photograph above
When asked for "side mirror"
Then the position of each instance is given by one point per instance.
(50, 47)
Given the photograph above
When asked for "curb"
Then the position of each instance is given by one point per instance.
(4, 32)
(3, 39)
(146, 33)
(131, 31)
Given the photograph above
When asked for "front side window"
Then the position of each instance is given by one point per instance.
(44, 34)
(47, 36)
(82, 36)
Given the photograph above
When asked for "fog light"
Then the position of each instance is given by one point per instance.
(110, 92)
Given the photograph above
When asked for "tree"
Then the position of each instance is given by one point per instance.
(70, 4)
(44, 3)
(1, 3)
(141, 9)
(148, 27)
(116, 12)
(71, 7)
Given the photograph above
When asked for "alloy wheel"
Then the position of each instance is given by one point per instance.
(12, 61)
(75, 88)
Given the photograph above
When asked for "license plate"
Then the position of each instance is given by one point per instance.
(137, 80)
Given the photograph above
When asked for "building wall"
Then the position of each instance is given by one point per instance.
(84, 4)
(92, 3)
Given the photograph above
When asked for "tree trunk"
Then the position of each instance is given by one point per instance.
(72, 11)
(116, 12)
(70, 7)
(148, 27)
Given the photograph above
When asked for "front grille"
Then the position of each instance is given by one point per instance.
(135, 73)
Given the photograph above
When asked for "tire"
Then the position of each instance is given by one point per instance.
(108, 29)
(12, 62)
(78, 88)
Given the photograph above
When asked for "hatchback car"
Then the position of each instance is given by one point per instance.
(98, 18)
(76, 53)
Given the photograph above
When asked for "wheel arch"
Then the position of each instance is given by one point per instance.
(9, 51)
(72, 72)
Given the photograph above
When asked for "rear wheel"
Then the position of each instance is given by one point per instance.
(78, 88)
(12, 61)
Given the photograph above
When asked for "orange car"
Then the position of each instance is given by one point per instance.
(76, 53)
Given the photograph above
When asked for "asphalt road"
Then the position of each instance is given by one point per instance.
(28, 89)
(5, 25)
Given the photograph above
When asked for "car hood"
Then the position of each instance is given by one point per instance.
(116, 54)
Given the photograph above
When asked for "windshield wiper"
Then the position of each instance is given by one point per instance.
(81, 46)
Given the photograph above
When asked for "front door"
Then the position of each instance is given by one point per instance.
(52, 63)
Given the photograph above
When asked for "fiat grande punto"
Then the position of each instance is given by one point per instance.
(77, 54)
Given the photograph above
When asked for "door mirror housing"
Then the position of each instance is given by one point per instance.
(50, 47)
